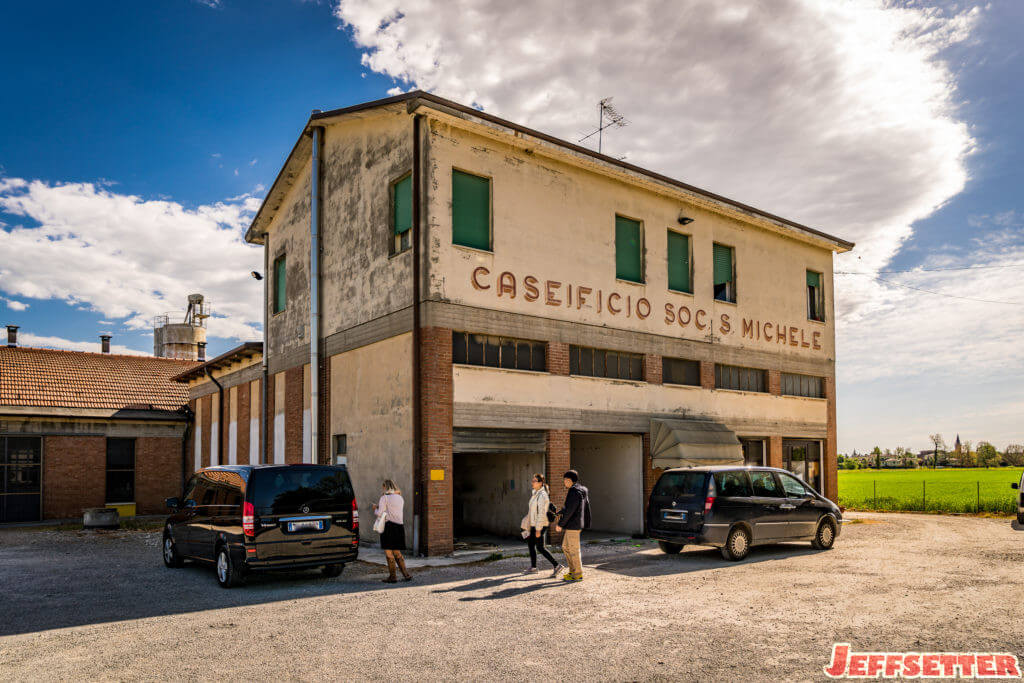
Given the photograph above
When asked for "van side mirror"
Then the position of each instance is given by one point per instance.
(1014, 486)
(172, 503)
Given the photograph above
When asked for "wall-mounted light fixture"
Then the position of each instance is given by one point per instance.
(256, 275)
(684, 220)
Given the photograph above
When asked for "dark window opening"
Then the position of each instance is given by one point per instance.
(803, 385)
(680, 371)
(120, 471)
(724, 259)
(740, 379)
(815, 297)
(498, 352)
(588, 362)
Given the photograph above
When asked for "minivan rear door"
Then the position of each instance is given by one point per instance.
(677, 501)
(301, 512)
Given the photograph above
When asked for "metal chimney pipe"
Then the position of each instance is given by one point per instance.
(105, 343)
(12, 335)
(201, 352)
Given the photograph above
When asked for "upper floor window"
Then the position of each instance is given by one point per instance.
(679, 268)
(815, 296)
(498, 352)
(740, 379)
(629, 248)
(401, 214)
(725, 273)
(679, 371)
(802, 385)
(280, 284)
(471, 210)
(590, 362)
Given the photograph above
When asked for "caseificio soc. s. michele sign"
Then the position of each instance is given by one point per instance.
(611, 303)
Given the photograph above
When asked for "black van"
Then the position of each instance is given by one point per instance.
(736, 508)
(251, 518)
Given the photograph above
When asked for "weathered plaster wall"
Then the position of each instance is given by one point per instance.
(611, 467)
(371, 403)
(288, 331)
(557, 222)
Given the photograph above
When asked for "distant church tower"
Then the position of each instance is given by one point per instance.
(956, 444)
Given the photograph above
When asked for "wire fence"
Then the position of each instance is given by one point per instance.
(929, 496)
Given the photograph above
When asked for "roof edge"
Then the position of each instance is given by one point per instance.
(242, 351)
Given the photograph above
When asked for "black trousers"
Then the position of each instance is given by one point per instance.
(536, 544)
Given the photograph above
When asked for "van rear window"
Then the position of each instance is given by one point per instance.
(287, 490)
(680, 485)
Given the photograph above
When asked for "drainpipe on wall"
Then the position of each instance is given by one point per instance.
(185, 440)
(417, 426)
(221, 427)
(314, 293)
(266, 371)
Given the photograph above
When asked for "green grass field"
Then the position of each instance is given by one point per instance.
(952, 490)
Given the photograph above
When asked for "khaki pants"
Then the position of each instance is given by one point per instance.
(571, 548)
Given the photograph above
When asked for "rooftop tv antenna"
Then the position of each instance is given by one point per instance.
(608, 117)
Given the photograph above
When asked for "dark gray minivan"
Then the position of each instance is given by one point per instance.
(736, 508)
(250, 518)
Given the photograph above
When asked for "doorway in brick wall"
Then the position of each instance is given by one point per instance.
(21, 478)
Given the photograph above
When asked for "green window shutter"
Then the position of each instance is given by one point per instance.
(471, 210)
(280, 284)
(813, 279)
(678, 262)
(403, 205)
(628, 258)
(723, 264)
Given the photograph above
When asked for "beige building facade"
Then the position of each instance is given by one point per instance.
(566, 302)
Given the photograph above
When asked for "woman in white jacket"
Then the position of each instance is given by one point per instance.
(535, 524)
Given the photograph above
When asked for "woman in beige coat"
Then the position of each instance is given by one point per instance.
(535, 524)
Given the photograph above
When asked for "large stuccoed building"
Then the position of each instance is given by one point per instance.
(574, 311)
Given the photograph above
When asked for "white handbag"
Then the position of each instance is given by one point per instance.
(378, 524)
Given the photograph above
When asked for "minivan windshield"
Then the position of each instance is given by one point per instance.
(287, 490)
(680, 485)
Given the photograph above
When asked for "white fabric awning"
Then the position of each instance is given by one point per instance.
(692, 443)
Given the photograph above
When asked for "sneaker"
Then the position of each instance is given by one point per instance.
(558, 568)
(570, 577)
(531, 570)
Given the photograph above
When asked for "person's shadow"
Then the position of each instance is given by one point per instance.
(532, 584)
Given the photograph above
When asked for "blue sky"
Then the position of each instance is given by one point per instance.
(896, 125)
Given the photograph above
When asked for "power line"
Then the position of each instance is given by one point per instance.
(929, 270)
(929, 291)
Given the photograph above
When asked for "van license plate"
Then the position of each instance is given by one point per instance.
(312, 525)
(674, 515)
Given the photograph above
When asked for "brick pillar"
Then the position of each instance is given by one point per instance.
(775, 383)
(775, 451)
(190, 446)
(324, 453)
(652, 368)
(556, 462)
(557, 357)
(831, 477)
(436, 407)
(707, 374)
(242, 422)
(207, 427)
(225, 425)
(293, 401)
(651, 473)
(269, 417)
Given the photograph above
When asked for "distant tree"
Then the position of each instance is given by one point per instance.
(878, 460)
(967, 456)
(987, 455)
(876, 451)
(1014, 455)
(938, 442)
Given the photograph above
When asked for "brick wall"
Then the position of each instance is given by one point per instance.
(775, 383)
(74, 475)
(557, 357)
(157, 473)
(556, 462)
(707, 374)
(242, 424)
(436, 407)
(651, 474)
(190, 436)
(207, 427)
(293, 399)
(775, 451)
(324, 454)
(652, 369)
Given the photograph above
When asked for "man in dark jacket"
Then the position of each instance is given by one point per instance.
(574, 517)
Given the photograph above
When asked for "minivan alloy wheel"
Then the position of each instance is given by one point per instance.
(825, 535)
(737, 544)
(168, 550)
(222, 566)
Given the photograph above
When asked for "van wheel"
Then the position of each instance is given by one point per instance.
(1020, 518)
(737, 544)
(332, 570)
(227, 574)
(171, 557)
(670, 548)
(825, 536)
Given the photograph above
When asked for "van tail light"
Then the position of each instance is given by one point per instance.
(248, 520)
(708, 502)
(355, 515)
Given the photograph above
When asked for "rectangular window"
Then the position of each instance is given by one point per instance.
(471, 210)
(740, 379)
(679, 371)
(725, 273)
(280, 284)
(629, 260)
(679, 262)
(401, 214)
(815, 297)
(589, 362)
(803, 385)
(498, 352)
(120, 471)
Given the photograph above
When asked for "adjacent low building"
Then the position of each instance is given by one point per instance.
(81, 430)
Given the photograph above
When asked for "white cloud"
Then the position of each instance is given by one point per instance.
(37, 341)
(128, 257)
(15, 305)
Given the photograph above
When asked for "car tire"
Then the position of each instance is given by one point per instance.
(670, 548)
(228, 575)
(332, 570)
(1020, 518)
(170, 552)
(825, 535)
(737, 544)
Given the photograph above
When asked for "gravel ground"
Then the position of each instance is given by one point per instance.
(88, 605)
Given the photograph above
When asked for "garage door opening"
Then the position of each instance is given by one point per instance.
(611, 467)
(491, 492)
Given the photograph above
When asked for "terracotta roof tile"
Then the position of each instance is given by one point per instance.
(78, 379)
